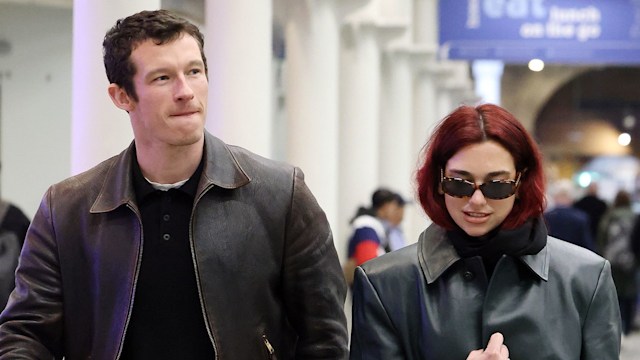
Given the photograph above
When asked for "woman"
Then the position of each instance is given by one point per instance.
(485, 268)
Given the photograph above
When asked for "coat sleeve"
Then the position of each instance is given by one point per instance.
(314, 285)
(372, 335)
(31, 324)
(602, 329)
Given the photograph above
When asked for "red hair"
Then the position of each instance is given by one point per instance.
(469, 125)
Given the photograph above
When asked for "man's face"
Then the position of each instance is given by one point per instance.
(172, 89)
(392, 212)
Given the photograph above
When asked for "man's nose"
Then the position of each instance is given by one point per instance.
(183, 90)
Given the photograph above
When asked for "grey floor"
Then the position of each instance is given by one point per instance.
(631, 347)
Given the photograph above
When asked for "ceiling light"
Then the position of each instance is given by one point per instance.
(624, 139)
(536, 65)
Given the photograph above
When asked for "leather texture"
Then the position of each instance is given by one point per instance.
(267, 269)
(425, 302)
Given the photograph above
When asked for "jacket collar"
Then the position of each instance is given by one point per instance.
(221, 168)
(436, 253)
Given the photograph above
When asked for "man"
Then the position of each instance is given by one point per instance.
(566, 222)
(181, 247)
(376, 230)
(593, 206)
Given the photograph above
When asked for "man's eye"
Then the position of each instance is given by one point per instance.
(161, 78)
(195, 71)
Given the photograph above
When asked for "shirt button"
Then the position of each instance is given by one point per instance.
(166, 217)
(166, 236)
(468, 275)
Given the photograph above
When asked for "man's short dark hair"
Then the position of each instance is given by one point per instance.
(160, 25)
(383, 196)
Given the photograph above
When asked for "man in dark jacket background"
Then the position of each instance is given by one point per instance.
(181, 247)
(566, 222)
(593, 206)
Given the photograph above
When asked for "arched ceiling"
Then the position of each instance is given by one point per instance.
(584, 117)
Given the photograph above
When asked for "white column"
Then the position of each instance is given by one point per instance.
(425, 107)
(463, 87)
(488, 75)
(396, 126)
(396, 97)
(426, 114)
(425, 117)
(455, 86)
(444, 102)
(425, 23)
(397, 151)
(238, 50)
(359, 115)
(312, 44)
(365, 33)
(99, 130)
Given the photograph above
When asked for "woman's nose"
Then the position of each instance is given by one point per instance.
(477, 197)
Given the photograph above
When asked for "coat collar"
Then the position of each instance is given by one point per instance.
(436, 254)
(221, 169)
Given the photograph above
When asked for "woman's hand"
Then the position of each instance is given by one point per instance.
(495, 350)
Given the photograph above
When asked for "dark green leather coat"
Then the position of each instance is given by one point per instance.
(425, 302)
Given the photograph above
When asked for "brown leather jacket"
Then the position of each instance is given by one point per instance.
(267, 270)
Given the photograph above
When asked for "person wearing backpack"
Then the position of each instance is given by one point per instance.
(614, 240)
(375, 230)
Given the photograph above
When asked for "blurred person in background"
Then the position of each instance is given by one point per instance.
(593, 206)
(375, 229)
(13, 229)
(485, 273)
(634, 240)
(563, 220)
(615, 241)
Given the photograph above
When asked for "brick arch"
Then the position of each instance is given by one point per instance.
(525, 92)
(575, 113)
(592, 107)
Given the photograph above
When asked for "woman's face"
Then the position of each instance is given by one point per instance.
(479, 163)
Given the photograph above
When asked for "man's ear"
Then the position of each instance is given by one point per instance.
(120, 97)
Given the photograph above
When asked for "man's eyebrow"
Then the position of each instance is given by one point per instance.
(164, 69)
(155, 72)
(198, 62)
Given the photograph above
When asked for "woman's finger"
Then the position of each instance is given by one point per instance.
(495, 343)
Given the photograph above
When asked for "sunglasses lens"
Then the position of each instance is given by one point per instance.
(497, 189)
(457, 187)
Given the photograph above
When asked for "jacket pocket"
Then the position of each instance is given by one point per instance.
(271, 352)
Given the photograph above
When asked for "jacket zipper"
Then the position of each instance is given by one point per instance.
(269, 347)
(197, 274)
(135, 282)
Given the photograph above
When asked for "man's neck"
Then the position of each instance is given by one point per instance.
(169, 165)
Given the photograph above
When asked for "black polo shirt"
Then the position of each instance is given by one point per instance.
(166, 321)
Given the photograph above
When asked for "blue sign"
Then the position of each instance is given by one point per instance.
(556, 31)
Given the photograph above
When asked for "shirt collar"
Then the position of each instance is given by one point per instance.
(221, 168)
(143, 188)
